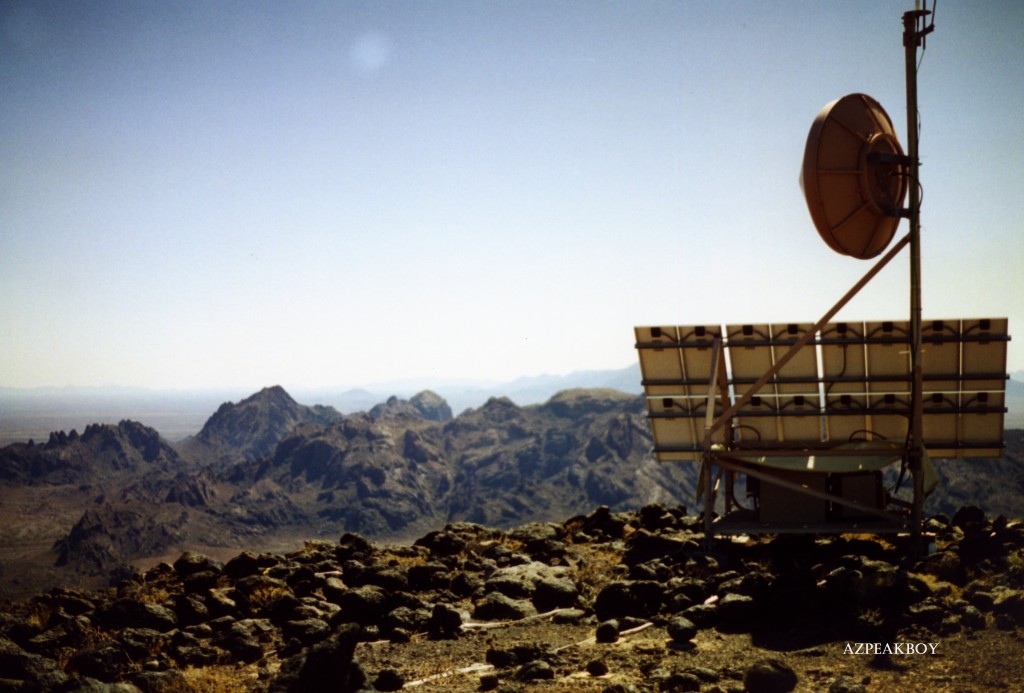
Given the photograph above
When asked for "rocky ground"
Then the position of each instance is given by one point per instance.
(604, 602)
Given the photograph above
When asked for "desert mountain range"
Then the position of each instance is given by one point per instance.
(267, 473)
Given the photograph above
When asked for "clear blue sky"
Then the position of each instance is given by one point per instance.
(199, 194)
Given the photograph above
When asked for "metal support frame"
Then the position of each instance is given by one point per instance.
(807, 337)
(712, 458)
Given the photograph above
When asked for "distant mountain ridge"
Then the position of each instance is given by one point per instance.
(34, 413)
(268, 470)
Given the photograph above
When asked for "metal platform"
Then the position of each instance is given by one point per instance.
(745, 523)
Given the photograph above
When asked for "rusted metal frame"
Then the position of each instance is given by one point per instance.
(709, 499)
(730, 441)
(743, 467)
(808, 336)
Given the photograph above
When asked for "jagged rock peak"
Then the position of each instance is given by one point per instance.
(253, 427)
(274, 393)
(579, 401)
(269, 399)
(425, 405)
(431, 406)
(499, 406)
(274, 396)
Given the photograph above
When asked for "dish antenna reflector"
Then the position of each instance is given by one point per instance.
(853, 176)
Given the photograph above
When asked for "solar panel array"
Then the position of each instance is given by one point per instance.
(852, 382)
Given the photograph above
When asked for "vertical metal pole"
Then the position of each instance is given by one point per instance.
(911, 40)
(709, 417)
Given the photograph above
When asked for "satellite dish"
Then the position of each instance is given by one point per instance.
(853, 176)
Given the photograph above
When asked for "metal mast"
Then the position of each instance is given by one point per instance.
(912, 39)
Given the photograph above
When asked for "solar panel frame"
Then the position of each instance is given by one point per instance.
(662, 363)
(940, 356)
(984, 354)
(843, 358)
(862, 392)
(888, 356)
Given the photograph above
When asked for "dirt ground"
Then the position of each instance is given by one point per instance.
(984, 660)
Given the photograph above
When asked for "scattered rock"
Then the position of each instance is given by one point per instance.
(445, 622)
(328, 665)
(736, 611)
(537, 670)
(389, 680)
(844, 684)
(498, 607)
(641, 598)
(769, 676)
(681, 629)
(309, 608)
(363, 605)
(607, 631)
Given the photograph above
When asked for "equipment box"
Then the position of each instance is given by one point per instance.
(787, 506)
(861, 487)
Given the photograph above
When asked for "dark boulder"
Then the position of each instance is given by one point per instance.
(105, 661)
(28, 671)
(769, 676)
(445, 622)
(364, 605)
(537, 670)
(307, 631)
(495, 606)
(389, 680)
(607, 631)
(644, 545)
(681, 629)
(736, 611)
(640, 598)
(702, 615)
(129, 612)
(326, 666)
(191, 562)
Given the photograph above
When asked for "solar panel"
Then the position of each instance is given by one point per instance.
(940, 355)
(661, 362)
(888, 356)
(676, 364)
(844, 370)
(862, 392)
(797, 384)
(750, 355)
(984, 354)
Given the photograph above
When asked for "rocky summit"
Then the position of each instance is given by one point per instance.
(606, 602)
(251, 428)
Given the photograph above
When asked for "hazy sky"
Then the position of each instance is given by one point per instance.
(239, 194)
